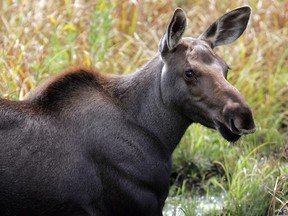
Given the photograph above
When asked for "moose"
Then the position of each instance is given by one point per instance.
(88, 143)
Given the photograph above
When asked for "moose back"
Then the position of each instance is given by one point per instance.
(86, 143)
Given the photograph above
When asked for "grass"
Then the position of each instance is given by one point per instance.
(40, 38)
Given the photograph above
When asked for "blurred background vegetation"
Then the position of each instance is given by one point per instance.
(41, 38)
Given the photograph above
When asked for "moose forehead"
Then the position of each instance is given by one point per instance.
(201, 51)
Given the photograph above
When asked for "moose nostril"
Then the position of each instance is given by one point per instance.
(233, 127)
(242, 126)
(239, 118)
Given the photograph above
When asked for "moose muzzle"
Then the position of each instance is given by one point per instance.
(238, 118)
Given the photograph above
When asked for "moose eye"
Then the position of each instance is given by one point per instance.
(189, 74)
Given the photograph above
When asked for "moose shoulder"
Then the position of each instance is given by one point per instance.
(92, 144)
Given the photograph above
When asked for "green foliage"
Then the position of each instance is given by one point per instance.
(100, 30)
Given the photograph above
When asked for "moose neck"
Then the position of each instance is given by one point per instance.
(144, 102)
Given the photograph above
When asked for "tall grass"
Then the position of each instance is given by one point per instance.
(40, 38)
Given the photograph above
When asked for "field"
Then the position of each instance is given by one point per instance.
(41, 38)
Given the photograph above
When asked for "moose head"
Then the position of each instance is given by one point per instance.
(198, 77)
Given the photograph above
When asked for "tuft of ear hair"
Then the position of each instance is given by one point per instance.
(174, 32)
(227, 28)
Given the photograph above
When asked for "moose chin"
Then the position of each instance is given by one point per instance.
(88, 143)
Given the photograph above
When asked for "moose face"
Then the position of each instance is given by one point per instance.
(194, 78)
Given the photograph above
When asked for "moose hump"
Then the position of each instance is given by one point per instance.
(60, 89)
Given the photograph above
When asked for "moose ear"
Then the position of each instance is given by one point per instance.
(227, 28)
(174, 31)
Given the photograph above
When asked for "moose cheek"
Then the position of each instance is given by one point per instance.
(196, 93)
(191, 102)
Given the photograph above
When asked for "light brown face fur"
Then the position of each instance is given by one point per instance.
(207, 97)
(198, 77)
